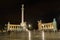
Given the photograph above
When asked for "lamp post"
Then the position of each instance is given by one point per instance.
(29, 32)
(43, 35)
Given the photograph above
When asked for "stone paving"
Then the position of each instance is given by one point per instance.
(36, 35)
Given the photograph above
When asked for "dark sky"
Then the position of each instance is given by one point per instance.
(10, 10)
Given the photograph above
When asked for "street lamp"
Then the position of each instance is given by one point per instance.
(29, 32)
(29, 26)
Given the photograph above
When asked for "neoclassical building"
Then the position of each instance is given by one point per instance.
(13, 27)
(47, 26)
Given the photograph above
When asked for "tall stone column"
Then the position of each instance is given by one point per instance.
(22, 13)
(23, 24)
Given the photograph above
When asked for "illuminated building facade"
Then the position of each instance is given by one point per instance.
(13, 27)
(47, 26)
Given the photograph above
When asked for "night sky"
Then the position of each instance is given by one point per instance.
(10, 10)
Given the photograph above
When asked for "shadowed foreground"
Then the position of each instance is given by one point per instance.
(36, 35)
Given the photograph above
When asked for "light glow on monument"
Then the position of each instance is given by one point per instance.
(23, 23)
(22, 13)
